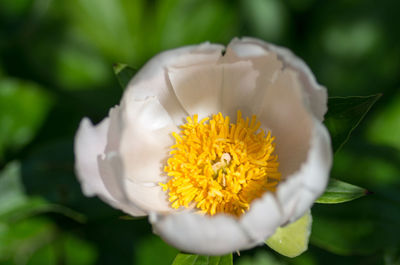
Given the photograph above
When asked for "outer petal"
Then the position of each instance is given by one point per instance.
(110, 170)
(263, 218)
(152, 79)
(298, 193)
(90, 142)
(316, 95)
(195, 233)
(112, 178)
(145, 140)
(144, 147)
(94, 176)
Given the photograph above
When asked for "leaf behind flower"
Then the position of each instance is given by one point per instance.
(183, 259)
(340, 191)
(23, 109)
(124, 74)
(344, 115)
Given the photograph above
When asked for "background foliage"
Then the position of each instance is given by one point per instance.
(56, 60)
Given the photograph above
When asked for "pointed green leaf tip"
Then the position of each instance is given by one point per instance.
(343, 116)
(124, 73)
(184, 259)
(292, 240)
(340, 191)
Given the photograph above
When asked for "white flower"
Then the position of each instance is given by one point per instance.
(122, 159)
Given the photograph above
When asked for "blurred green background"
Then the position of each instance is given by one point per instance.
(56, 61)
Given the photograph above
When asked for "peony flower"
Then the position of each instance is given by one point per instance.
(218, 146)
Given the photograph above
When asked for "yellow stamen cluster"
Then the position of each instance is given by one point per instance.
(219, 167)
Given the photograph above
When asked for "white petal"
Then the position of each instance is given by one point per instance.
(288, 194)
(94, 175)
(198, 88)
(109, 164)
(321, 157)
(110, 169)
(152, 79)
(316, 94)
(245, 80)
(147, 196)
(146, 140)
(144, 148)
(247, 49)
(199, 234)
(239, 88)
(263, 218)
(300, 190)
(115, 130)
(108, 185)
(305, 201)
(90, 142)
(284, 114)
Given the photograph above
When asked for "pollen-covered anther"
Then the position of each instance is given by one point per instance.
(221, 167)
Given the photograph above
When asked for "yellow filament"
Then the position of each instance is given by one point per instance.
(219, 167)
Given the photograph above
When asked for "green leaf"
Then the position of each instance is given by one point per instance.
(144, 251)
(344, 115)
(362, 227)
(65, 249)
(183, 259)
(131, 218)
(76, 68)
(15, 205)
(124, 73)
(23, 228)
(384, 123)
(347, 236)
(25, 235)
(38, 240)
(123, 19)
(340, 191)
(11, 189)
(267, 18)
(260, 258)
(392, 256)
(54, 158)
(23, 108)
(292, 240)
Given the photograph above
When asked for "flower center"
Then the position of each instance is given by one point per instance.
(220, 167)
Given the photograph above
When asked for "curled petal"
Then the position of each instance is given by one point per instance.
(285, 115)
(198, 88)
(301, 189)
(152, 80)
(144, 147)
(244, 48)
(145, 140)
(288, 194)
(200, 234)
(114, 130)
(90, 142)
(321, 155)
(96, 177)
(263, 218)
(316, 95)
(111, 173)
(148, 196)
(246, 77)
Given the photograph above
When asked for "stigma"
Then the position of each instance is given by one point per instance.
(216, 166)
